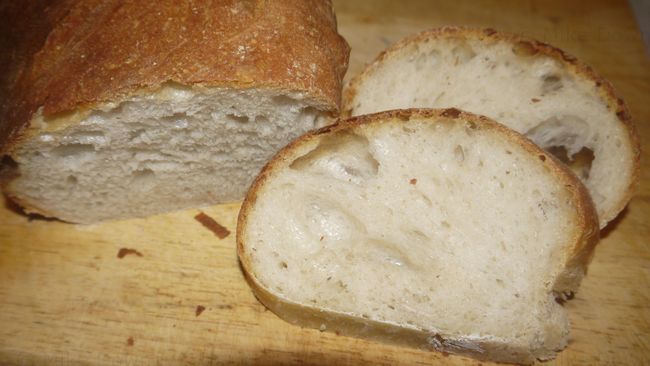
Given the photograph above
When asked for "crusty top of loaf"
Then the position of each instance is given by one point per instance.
(93, 51)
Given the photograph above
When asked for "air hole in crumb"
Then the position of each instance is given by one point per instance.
(283, 100)
(427, 60)
(551, 83)
(73, 149)
(459, 154)
(407, 129)
(462, 53)
(422, 197)
(142, 173)
(542, 157)
(580, 162)
(445, 224)
(71, 180)
(418, 236)
(261, 119)
(143, 178)
(236, 118)
(283, 265)
(137, 133)
(524, 48)
(178, 121)
(342, 155)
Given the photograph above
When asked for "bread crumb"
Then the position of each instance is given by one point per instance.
(413, 181)
(130, 342)
(322, 327)
(126, 251)
(209, 223)
(199, 309)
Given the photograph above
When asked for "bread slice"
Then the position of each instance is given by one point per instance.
(125, 109)
(436, 229)
(531, 87)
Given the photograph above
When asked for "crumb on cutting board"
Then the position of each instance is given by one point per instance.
(199, 309)
(212, 225)
(123, 252)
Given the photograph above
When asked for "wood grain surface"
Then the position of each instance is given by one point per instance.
(166, 290)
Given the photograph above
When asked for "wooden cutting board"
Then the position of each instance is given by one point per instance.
(66, 296)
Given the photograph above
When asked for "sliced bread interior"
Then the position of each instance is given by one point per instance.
(130, 108)
(179, 147)
(531, 87)
(431, 228)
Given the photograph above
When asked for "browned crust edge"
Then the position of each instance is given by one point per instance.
(577, 260)
(606, 89)
(113, 59)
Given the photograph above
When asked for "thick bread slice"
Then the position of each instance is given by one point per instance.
(430, 228)
(531, 87)
(115, 109)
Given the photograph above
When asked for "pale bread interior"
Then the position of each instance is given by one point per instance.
(437, 226)
(534, 94)
(155, 152)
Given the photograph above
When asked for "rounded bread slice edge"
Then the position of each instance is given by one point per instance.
(576, 258)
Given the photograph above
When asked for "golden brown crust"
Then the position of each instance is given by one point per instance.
(19, 41)
(104, 50)
(530, 47)
(576, 260)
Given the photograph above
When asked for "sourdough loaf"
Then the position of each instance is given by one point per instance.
(536, 89)
(436, 229)
(115, 109)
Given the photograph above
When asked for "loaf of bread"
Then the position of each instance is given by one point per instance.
(437, 229)
(531, 87)
(115, 109)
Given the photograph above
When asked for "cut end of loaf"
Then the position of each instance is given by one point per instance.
(531, 87)
(180, 147)
(441, 226)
